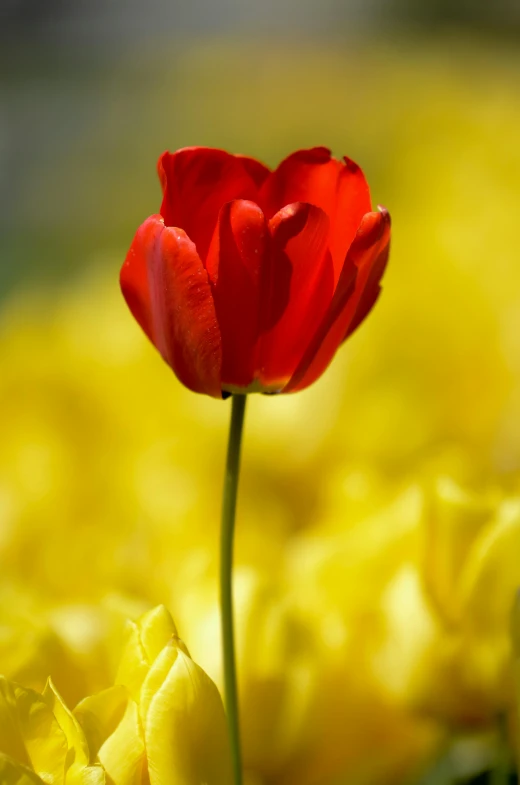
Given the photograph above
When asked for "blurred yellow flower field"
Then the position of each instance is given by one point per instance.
(379, 516)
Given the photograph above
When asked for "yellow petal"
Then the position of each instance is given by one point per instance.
(86, 775)
(78, 748)
(11, 742)
(99, 715)
(492, 573)
(147, 639)
(156, 677)
(156, 628)
(185, 729)
(453, 524)
(39, 733)
(134, 664)
(13, 773)
(79, 772)
(111, 724)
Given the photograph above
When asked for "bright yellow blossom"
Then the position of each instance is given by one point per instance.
(163, 722)
(426, 584)
(310, 703)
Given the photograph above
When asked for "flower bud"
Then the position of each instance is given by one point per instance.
(163, 722)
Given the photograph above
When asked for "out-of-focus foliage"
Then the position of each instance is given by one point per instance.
(379, 516)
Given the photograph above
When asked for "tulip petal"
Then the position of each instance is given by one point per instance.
(157, 673)
(352, 203)
(13, 773)
(78, 748)
(156, 629)
(355, 293)
(297, 288)
(134, 663)
(166, 288)
(338, 188)
(197, 181)
(185, 729)
(11, 741)
(369, 285)
(30, 732)
(86, 775)
(133, 277)
(148, 637)
(99, 715)
(110, 721)
(236, 258)
(256, 169)
(78, 768)
(123, 754)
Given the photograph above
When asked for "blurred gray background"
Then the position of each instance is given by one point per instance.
(58, 86)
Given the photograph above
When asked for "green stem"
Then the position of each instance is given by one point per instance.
(229, 503)
(502, 764)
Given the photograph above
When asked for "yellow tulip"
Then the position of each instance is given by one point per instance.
(470, 574)
(428, 583)
(163, 722)
(41, 741)
(311, 705)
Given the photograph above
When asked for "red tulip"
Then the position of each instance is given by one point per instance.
(249, 280)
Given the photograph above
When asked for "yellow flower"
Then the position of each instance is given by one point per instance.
(425, 586)
(163, 722)
(77, 645)
(311, 709)
(470, 573)
(41, 741)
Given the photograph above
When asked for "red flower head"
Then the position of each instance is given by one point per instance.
(249, 280)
